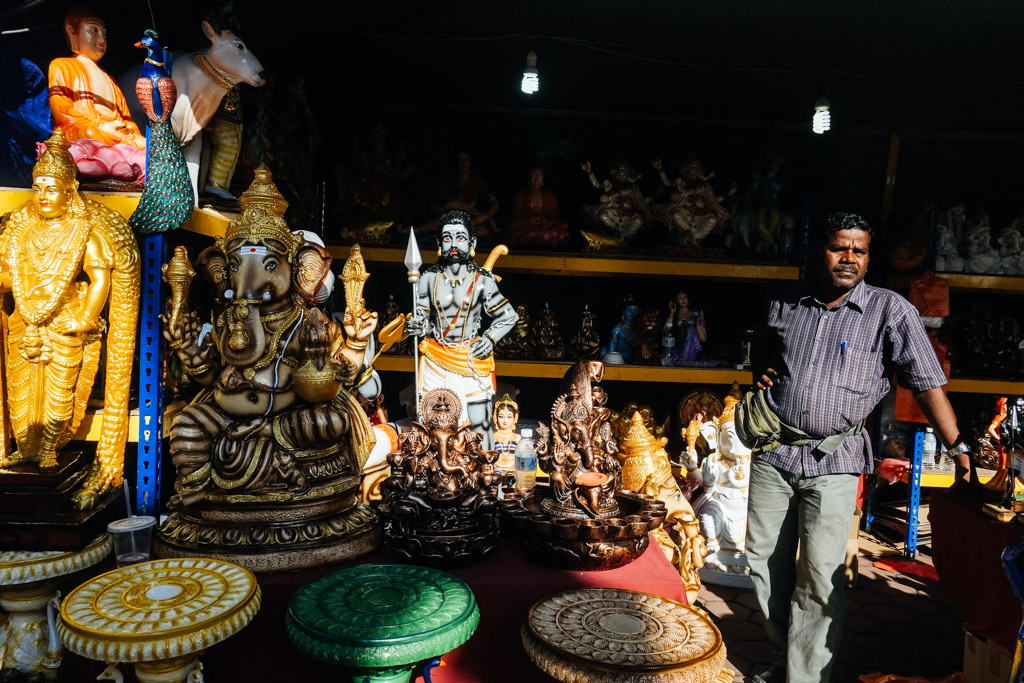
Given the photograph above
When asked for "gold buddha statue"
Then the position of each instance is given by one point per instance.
(62, 257)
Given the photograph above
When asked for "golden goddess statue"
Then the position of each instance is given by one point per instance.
(55, 330)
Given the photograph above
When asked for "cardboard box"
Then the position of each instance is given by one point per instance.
(984, 661)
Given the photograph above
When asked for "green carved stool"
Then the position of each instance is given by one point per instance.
(380, 621)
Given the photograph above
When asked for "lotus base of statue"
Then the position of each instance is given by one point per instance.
(273, 538)
(447, 549)
(582, 543)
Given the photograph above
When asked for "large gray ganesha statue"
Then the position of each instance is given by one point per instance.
(268, 456)
(440, 503)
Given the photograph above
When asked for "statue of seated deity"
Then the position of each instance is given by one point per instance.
(981, 256)
(622, 212)
(549, 340)
(950, 228)
(466, 191)
(694, 211)
(64, 259)
(1011, 250)
(370, 187)
(535, 220)
(619, 348)
(440, 502)
(722, 507)
(521, 342)
(581, 459)
(268, 457)
(90, 108)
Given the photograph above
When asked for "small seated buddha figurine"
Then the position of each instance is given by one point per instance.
(535, 217)
(466, 191)
(64, 259)
(90, 108)
(506, 417)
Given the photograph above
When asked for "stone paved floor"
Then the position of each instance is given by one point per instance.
(895, 623)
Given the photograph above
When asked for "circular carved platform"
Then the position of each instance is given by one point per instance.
(381, 620)
(20, 566)
(604, 635)
(158, 610)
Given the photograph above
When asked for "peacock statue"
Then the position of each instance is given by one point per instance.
(166, 201)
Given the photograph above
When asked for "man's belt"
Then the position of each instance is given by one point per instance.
(761, 430)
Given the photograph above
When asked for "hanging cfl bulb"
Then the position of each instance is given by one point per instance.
(822, 120)
(531, 80)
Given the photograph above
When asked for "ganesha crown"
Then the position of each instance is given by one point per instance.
(262, 218)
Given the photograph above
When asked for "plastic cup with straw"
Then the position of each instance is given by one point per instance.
(132, 535)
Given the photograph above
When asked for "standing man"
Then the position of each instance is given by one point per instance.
(826, 359)
(451, 298)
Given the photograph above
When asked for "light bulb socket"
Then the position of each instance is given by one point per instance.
(821, 104)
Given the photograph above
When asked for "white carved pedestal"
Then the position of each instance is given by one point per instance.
(28, 583)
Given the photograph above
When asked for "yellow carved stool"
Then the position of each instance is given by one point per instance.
(159, 615)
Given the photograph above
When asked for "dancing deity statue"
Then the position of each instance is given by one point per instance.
(268, 457)
(722, 507)
(440, 502)
(452, 297)
(90, 108)
(694, 211)
(63, 258)
(622, 211)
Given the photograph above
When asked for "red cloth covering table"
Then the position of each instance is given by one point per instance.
(506, 583)
(966, 550)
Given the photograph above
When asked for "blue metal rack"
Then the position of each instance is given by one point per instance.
(914, 496)
(151, 394)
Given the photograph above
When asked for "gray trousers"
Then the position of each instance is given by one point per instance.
(802, 602)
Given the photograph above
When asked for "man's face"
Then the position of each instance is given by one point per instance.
(90, 40)
(455, 244)
(50, 196)
(846, 258)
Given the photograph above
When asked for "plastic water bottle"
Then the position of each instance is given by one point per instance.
(928, 449)
(526, 461)
(668, 345)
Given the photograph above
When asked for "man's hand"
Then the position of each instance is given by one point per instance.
(481, 348)
(767, 379)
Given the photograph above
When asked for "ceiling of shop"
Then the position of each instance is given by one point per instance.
(936, 64)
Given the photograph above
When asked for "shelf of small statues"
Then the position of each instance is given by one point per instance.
(603, 265)
(1006, 284)
(626, 373)
(205, 221)
(967, 385)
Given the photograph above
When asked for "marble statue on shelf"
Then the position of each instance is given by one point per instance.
(1011, 249)
(950, 229)
(268, 458)
(619, 348)
(694, 211)
(452, 298)
(981, 256)
(586, 343)
(90, 108)
(622, 211)
(722, 507)
(64, 260)
(536, 221)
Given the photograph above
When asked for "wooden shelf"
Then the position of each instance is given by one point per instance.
(984, 386)
(597, 265)
(625, 373)
(204, 221)
(966, 282)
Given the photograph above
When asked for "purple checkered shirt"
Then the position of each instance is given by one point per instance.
(835, 366)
